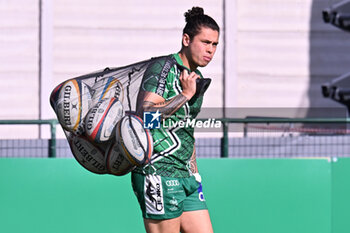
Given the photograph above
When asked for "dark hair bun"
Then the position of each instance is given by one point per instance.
(195, 11)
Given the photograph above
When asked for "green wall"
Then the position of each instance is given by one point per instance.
(243, 196)
(341, 196)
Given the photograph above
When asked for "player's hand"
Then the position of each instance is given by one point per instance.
(188, 83)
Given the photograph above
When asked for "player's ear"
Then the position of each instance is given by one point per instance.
(186, 39)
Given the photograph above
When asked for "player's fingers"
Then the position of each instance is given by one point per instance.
(193, 75)
(184, 74)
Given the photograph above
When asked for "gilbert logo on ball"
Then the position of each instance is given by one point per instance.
(135, 142)
(88, 155)
(72, 103)
(102, 118)
(151, 120)
(117, 164)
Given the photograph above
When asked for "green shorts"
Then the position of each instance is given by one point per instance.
(167, 197)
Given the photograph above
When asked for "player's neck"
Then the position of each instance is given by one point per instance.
(186, 62)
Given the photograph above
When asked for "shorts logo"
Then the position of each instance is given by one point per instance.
(151, 120)
(200, 193)
(175, 204)
(172, 183)
(154, 195)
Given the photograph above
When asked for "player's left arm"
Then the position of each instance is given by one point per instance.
(193, 162)
(192, 166)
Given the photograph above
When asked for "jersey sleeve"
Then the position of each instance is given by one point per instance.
(155, 81)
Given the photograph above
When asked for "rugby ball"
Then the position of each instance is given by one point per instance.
(88, 155)
(135, 142)
(72, 104)
(102, 118)
(117, 164)
(54, 96)
(107, 88)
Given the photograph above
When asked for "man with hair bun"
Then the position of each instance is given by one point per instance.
(169, 188)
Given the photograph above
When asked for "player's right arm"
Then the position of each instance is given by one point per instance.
(153, 102)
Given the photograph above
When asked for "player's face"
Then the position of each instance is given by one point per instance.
(202, 47)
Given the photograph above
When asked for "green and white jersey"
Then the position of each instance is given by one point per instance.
(174, 141)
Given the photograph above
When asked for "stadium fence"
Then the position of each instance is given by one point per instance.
(251, 137)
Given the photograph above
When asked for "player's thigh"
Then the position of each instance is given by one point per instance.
(197, 221)
(162, 226)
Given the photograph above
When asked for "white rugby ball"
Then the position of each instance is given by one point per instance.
(135, 142)
(72, 104)
(54, 96)
(102, 118)
(117, 164)
(107, 88)
(88, 155)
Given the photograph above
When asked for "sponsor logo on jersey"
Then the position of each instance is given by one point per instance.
(163, 75)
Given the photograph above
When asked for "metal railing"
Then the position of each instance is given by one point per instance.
(224, 143)
(245, 121)
(52, 123)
